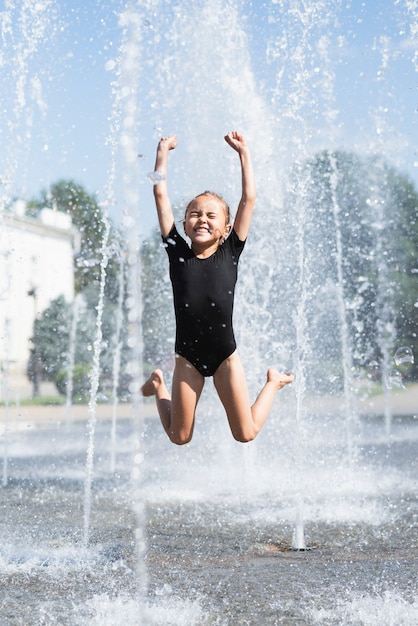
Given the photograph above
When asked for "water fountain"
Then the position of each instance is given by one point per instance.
(313, 523)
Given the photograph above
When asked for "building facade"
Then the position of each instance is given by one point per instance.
(36, 266)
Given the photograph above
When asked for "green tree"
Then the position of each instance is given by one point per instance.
(403, 255)
(50, 341)
(361, 217)
(51, 335)
(157, 317)
(88, 219)
(357, 220)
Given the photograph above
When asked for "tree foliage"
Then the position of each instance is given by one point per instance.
(88, 219)
(53, 341)
(157, 316)
(361, 237)
(51, 336)
(355, 223)
(50, 340)
(359, 233)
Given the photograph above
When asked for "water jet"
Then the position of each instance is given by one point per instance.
(179, 536)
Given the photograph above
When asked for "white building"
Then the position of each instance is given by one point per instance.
(36, 266)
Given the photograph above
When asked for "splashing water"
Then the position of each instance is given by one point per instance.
(388, 609)
(404, 357)
(25, 28)
(78, 305)
(117, 362)
(156, 177)
(291, 309)
(95, 379)
(131, 22)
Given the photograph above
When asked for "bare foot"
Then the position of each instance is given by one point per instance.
(150, 386)
(278, 378)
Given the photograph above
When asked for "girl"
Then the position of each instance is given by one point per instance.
(203, 277)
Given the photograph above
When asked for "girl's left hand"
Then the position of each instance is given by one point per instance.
(236, 140)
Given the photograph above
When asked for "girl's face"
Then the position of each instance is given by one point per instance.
(205, 221)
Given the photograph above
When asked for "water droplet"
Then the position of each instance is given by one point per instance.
(87, 262)
(164, 590)
(110, 65)
(134, 387)
(404, 356)
(155, 177)
(394, 379)
(373, 369)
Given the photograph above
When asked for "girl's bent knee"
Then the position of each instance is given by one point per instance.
(180, 439)
(245, 436)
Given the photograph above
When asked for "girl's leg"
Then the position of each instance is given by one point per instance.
(246, 421)
(177, 412)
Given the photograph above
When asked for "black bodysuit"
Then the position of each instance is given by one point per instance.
(203, 292)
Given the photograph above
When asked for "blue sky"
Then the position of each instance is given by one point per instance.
(331, 74)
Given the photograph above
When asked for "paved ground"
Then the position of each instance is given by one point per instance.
(219, 524)
(400, 401)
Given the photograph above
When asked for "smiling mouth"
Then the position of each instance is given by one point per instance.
(203, 229)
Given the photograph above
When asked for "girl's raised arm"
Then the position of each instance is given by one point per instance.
(162, 201)
(246, 205)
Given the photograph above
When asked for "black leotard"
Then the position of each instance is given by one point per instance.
(203, 292)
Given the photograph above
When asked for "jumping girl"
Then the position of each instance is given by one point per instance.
(203, 278)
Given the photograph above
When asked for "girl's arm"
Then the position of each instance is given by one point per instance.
(162, 201)
(246, 205)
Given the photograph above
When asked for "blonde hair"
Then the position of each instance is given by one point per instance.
(218, 197)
